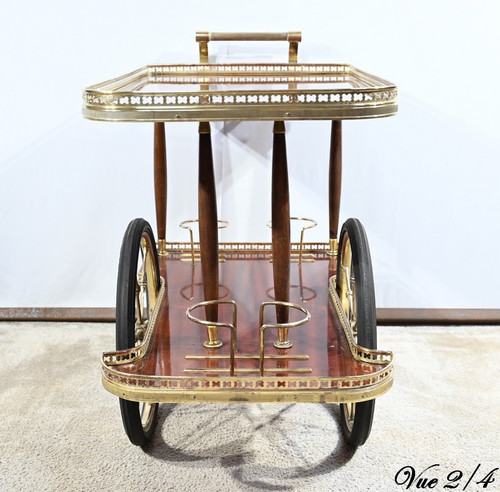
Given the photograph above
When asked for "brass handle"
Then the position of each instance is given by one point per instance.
(249, 36)
(292, 37)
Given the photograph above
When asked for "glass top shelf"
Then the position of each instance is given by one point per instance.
(211, 92)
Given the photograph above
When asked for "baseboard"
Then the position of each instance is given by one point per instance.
(385, 316)
(86, 315)
(416, 316)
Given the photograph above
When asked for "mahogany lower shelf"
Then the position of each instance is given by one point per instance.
(323, 365)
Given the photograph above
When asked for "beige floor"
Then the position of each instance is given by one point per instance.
(60, 430)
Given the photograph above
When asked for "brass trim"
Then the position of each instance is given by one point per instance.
(334, 247)
(229, 248)
(212, 342)
(125, 98)
(225, 389)
(259, 383)
(293, 52)
(249, 113)
(204, 52)
(162, 247)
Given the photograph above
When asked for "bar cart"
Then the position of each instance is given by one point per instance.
(291, 321)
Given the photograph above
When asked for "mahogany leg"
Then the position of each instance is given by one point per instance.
(280, 230)
(207, 215)
(335, 180)
(160, 178)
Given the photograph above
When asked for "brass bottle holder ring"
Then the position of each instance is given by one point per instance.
(213, 326)
(194, 255)
(301, 257)
(282, 342)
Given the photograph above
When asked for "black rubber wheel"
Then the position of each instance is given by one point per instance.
(357, 294)
(138, 286)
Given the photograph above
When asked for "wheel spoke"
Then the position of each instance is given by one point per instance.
(147, 412)
(349, 414)
(354, 315)
(138, 304)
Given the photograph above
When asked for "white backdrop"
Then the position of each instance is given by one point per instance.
(424, 183)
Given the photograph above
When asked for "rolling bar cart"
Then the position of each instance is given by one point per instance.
(291, 321)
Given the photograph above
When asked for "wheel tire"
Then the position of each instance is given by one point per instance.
(357, 418)
(138, 255)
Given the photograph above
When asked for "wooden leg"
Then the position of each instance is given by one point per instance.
(160, 178)
(207, 215)
(335, 181)
(281, 230)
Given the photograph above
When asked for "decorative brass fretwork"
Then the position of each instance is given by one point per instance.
(139, 351)
(267, 383)
(308, 91)
(359, 353)
(236, 250)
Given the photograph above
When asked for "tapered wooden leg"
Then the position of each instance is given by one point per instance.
(335, 181)
(160, 178)
(280, 230)
(207, 215)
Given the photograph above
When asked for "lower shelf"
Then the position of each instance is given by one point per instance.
(323, 364)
